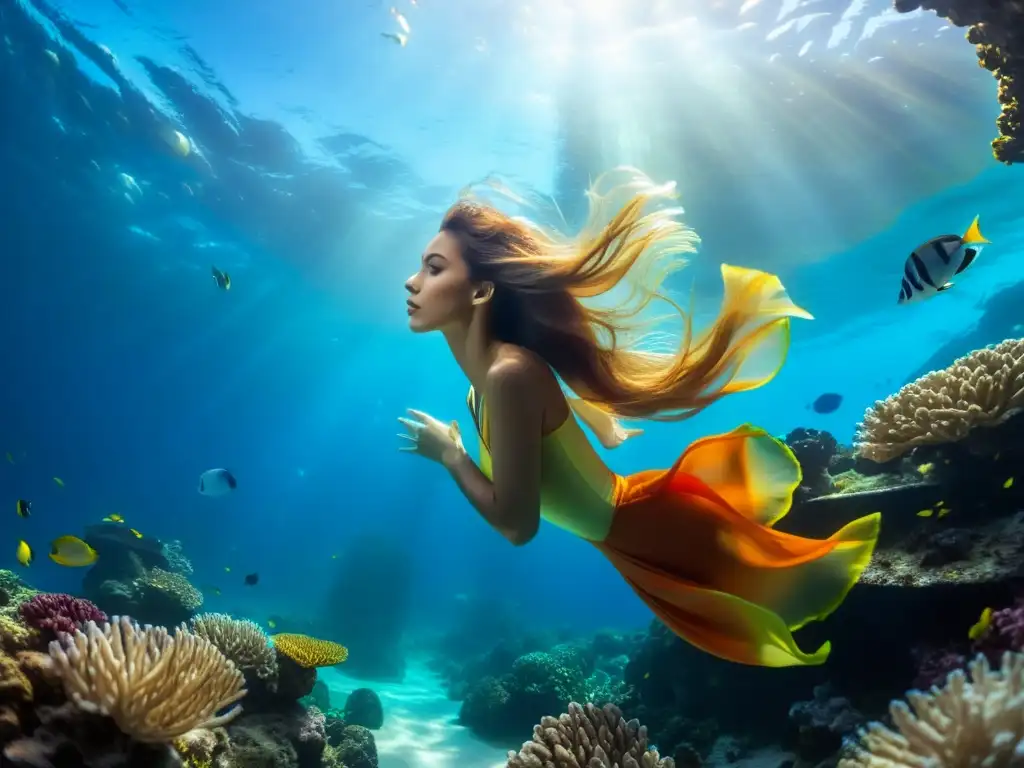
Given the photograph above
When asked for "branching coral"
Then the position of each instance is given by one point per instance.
(59, 612)
(980, 389)
(588, 737)
(155, 686)
(309, 652)
(242, 641)
(175, 585)
(968, 722)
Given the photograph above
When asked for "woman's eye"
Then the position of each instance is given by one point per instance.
(431, 269)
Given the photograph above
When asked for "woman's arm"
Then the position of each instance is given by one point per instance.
(511, 502)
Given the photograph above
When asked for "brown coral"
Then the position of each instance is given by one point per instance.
(15, 692)
(588, 737)
(983, 388)
(309, 652)
(996, 30)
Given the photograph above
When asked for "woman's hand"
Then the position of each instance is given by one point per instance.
(431, 438)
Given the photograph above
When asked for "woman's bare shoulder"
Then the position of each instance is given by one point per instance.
(516, 370)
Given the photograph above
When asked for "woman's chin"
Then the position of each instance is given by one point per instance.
(416, 325)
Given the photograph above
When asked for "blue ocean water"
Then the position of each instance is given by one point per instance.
(819, 140)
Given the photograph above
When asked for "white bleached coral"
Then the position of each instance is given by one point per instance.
(969, 722)
(154, 685)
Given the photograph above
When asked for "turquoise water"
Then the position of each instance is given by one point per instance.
(821, 141)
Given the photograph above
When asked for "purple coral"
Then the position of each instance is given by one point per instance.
(59, 612)
(1008, 627)
(935, 664)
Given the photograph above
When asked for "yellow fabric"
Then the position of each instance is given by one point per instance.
(577, 489)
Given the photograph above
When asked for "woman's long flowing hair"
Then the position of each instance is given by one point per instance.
(542, 277)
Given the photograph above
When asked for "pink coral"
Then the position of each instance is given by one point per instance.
(59, 612)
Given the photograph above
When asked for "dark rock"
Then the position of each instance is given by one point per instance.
(363, 707)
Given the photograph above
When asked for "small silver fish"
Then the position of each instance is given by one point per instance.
(928, 269)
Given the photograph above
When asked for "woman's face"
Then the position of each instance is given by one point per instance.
(440, 293)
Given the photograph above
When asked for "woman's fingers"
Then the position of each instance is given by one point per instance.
(414, 426)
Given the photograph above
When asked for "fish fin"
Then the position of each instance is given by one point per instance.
(969, 256)
(945, 287)
(973, 234)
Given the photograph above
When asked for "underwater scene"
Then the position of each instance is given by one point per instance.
(512, 384)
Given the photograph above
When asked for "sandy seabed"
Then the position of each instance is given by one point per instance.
(419, 723)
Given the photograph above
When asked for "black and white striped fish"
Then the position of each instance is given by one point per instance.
(930, 267)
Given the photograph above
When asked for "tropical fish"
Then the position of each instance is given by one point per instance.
(827, 403)
(135, 533)
(227, 569)
(1009, 483)
(222, 279)
(925, 468)
(24, 508)
(217, 482)
(397, 37)
(271, 623)
(943, 511)
(24, 554)
(926, 513)
(215, 591)
(113, 518)
(981, 626)
(58, 481)
(252, 579)
(930, 266)
(72, 552)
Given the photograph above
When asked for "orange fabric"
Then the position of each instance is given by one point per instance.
(723, 580)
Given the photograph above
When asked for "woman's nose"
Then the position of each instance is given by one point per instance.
(410, 284)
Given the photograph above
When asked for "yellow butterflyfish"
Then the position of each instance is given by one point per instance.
(981, 627)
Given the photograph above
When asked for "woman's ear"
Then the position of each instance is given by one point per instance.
(483, 293)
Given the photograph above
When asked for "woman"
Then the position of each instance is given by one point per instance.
(696, 541)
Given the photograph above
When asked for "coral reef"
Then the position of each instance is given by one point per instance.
(135, 577)
(291, 738)
(815, 451)
(57, 612)
(298, 657)
(349, 746)
(588, 736)
(363, 707)
(820, 724)
(155, 686)
(996, 29)
(983, 388)
(242, 641)
(15, 635)
(976, 721)
(507, 702)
